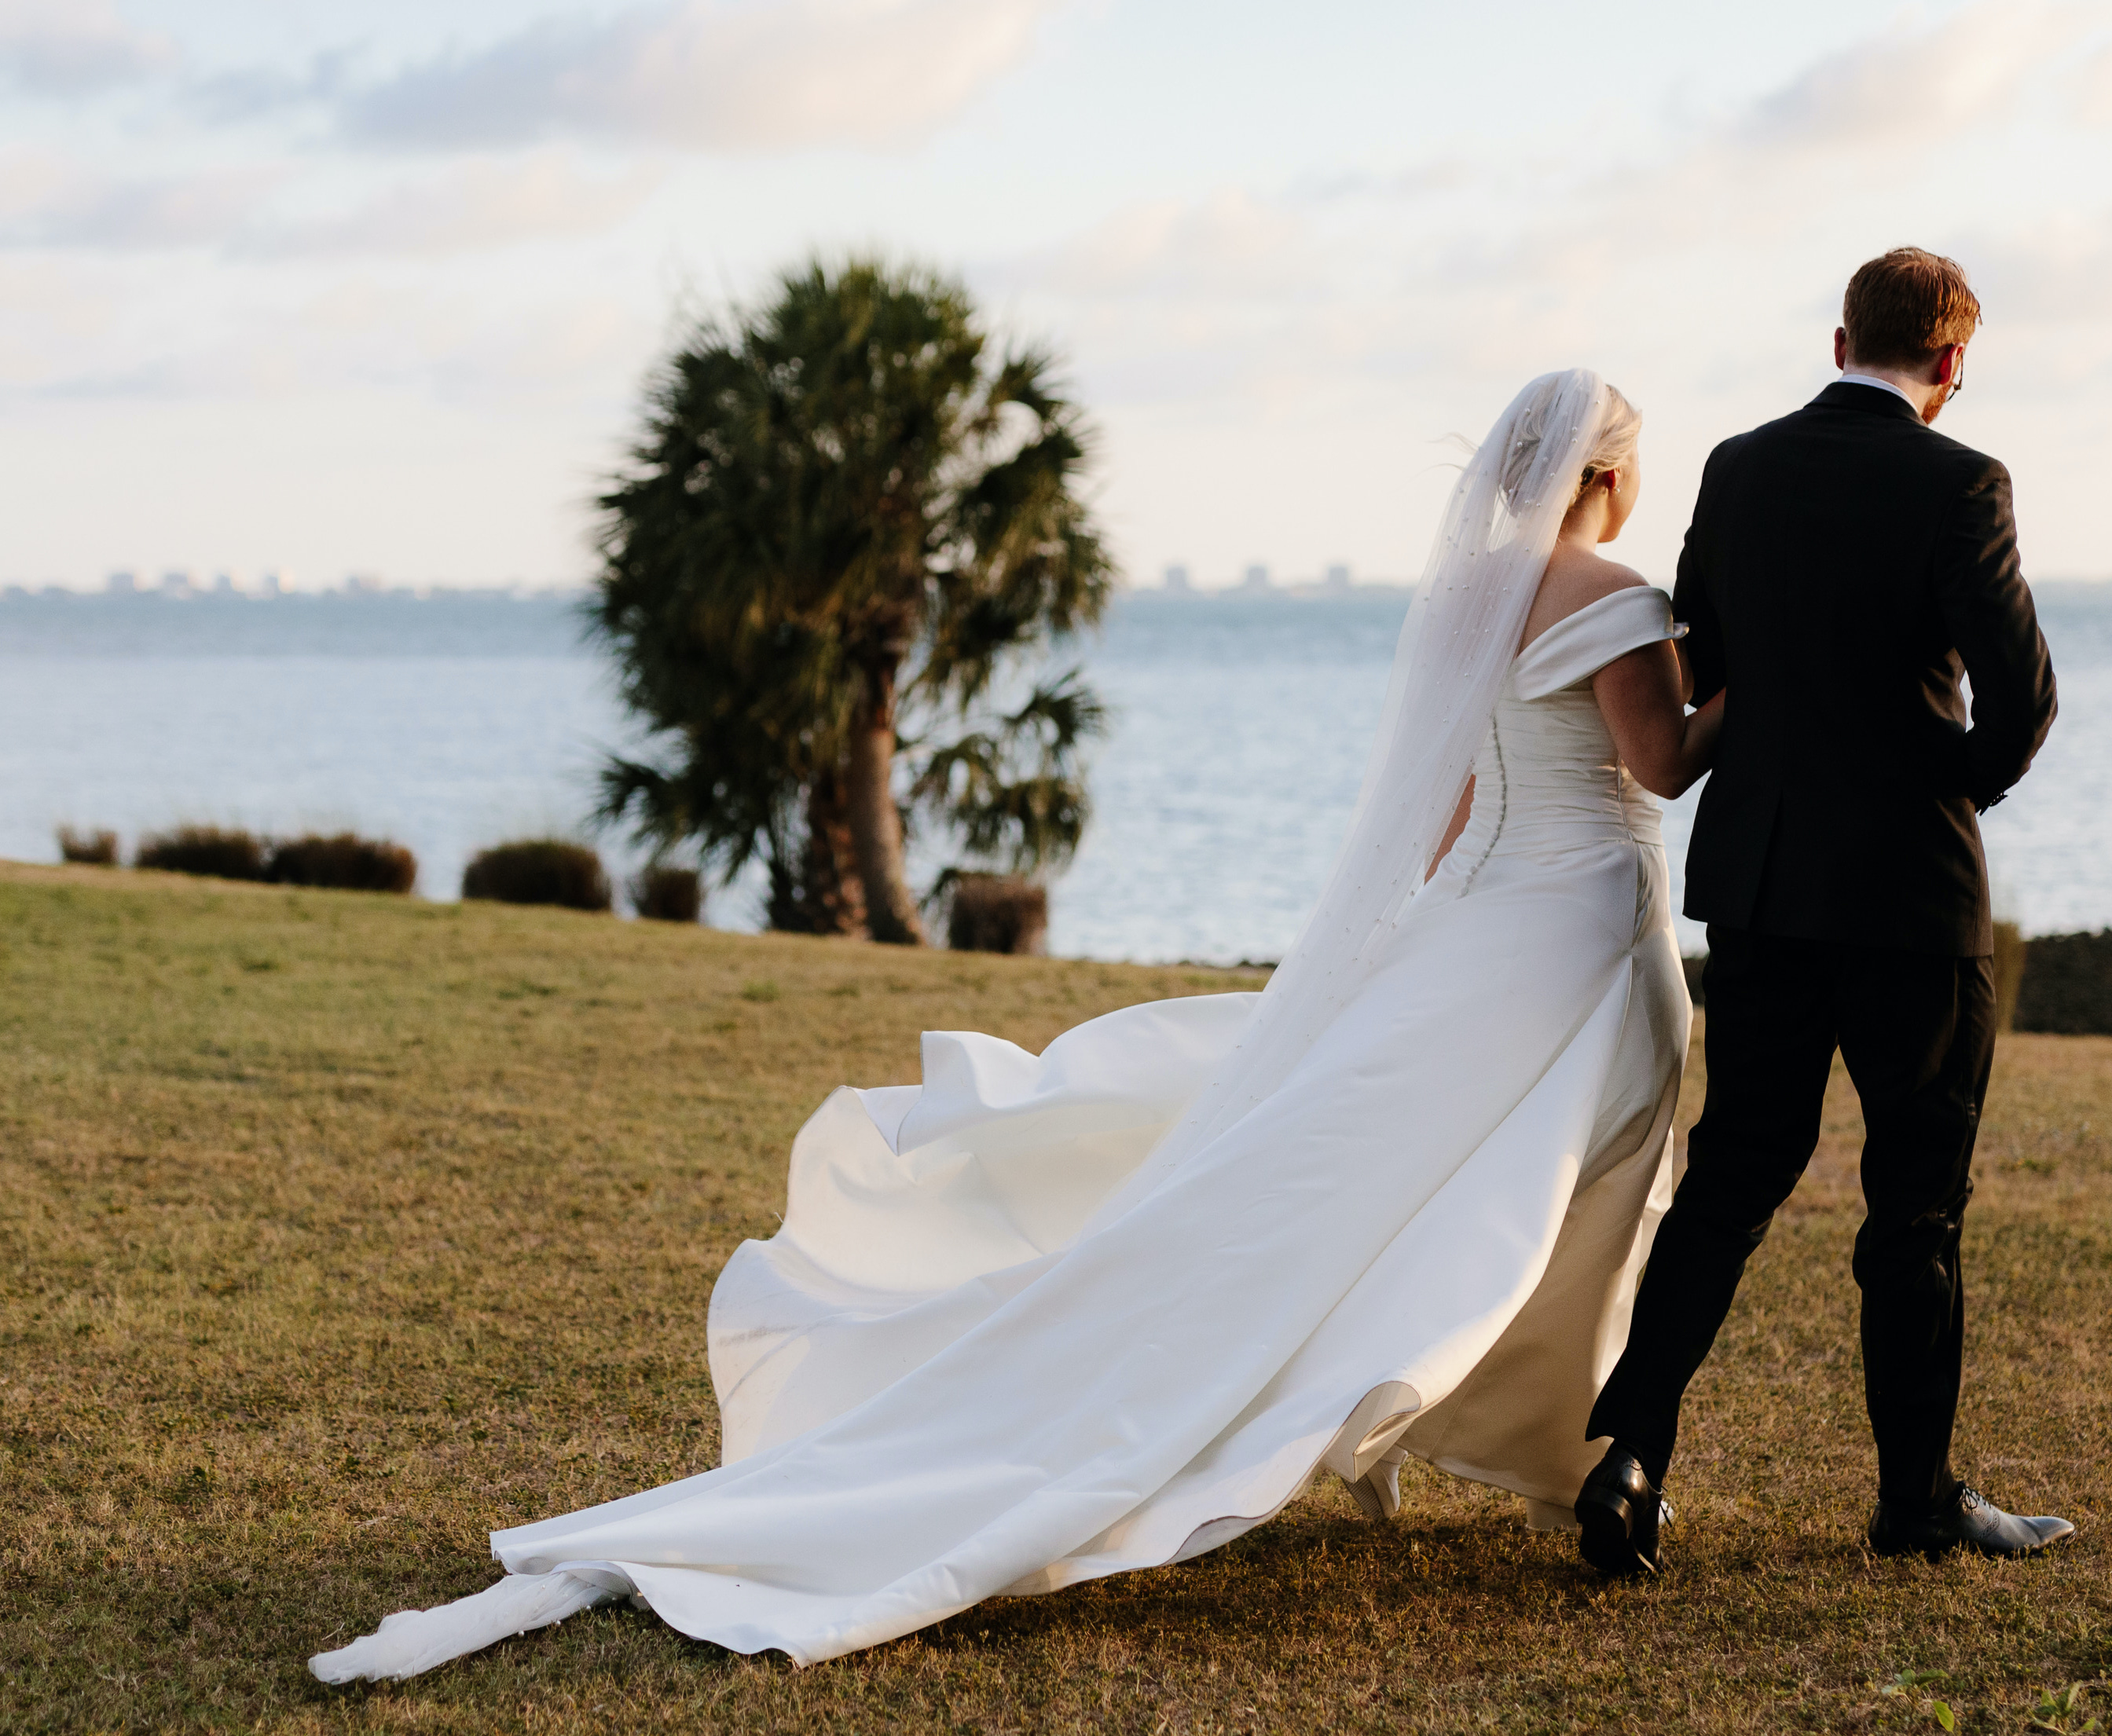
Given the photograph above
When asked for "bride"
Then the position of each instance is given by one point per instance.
(1045, 1318)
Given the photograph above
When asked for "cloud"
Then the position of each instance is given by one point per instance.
(2052, 271)
(1844, 138)
(1452, 269)
(1447, 175)
(691, 73)
(583, 346)
(475, 204)
(253, 93)
(1910, 87)
(69, 48)
(2093, 105)
(46, 202)
(469, 206)
(1228, 245)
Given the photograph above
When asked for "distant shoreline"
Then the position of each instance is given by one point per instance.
(17, 596)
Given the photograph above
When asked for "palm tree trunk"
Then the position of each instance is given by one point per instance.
(891, 909)
(832, 880)
(815, 887)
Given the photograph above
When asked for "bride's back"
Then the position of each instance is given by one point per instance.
(1641, 694)
(1576, 578)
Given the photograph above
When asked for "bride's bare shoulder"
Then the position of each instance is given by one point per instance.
(1575, 579)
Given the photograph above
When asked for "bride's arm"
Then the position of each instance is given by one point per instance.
(1642, 697)
(1452, 830)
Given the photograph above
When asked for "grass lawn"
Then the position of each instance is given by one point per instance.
(336, 1230)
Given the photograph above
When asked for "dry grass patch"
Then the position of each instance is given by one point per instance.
(336, 1230)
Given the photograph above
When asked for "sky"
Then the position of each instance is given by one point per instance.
(321, 290)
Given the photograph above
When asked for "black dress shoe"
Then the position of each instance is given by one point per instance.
(1620, 1513)
(1971, 1521)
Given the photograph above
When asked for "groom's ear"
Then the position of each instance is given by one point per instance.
(1840, 347)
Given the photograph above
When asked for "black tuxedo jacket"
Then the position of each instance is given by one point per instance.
(1844, 566)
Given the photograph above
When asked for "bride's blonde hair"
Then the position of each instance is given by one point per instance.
(1615, 447)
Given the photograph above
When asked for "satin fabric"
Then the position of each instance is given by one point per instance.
(995, 1349)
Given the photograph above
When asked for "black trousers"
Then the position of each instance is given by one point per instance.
(1918, 1034)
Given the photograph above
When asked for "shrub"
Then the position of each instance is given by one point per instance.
(97, 848)
(2011, 949)
(538, 871)
(995, 913)
(225, 855)
(661, 893)
(352, 863)
(2067, 985)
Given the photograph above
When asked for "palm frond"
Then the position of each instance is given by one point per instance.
(847, 478)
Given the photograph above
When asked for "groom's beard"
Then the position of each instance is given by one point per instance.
(1936, 403)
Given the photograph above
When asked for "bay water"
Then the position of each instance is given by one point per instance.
(1239, 729)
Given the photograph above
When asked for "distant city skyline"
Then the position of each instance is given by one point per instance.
(1259, 576)
(1335, 577)
(181, 582)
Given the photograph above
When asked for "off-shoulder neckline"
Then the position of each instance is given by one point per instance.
(1645, 589)
(1581, 643)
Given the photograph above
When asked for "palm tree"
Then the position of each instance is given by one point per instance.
(846, 513)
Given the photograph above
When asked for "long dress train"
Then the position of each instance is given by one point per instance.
(1001, 1346)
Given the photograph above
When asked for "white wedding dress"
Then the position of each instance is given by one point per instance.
(1012, 1337)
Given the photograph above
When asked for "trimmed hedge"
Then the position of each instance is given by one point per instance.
(538, 871)
(661, 893)
(996, 913)
(98, 848)
(2066, 986)
(346, 862)
(2059, 983)
(2011, 952)
(219, 852)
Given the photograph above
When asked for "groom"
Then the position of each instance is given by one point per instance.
(1844, 566)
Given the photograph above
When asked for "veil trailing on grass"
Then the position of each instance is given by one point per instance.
(1462, 631)
(1044, 1318)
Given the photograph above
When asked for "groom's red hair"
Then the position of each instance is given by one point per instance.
(1904, 306)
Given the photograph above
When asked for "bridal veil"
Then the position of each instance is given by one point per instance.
(1047, 1318)
(1462, 630)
